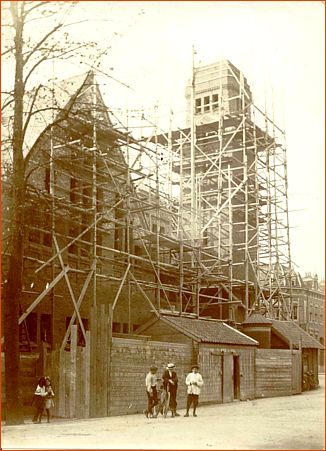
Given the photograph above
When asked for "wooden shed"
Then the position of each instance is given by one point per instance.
(275, 334)
(226, 356)
(287, 334)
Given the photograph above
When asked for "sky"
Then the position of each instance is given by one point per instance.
(279, 46)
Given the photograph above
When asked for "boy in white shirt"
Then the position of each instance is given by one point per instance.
(151, 390)
(194, 382)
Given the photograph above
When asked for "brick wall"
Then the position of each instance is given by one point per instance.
(131, 360)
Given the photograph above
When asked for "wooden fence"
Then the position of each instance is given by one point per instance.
(106, 377)
(277, 372)
(81, 375)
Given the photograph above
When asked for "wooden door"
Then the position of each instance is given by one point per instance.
(296, 372)
(227, 377)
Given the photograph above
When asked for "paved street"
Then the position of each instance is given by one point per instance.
(291, 422)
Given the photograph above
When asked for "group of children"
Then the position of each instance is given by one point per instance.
(43, 395)
(157, 397)
(43, 399)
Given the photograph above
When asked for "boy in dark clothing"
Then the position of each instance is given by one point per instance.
(170, 383)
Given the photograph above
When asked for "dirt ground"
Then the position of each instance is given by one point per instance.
(291, 422)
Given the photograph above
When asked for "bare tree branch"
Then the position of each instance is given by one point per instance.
(40, 61)
(8, 51)
(6, 104)
(47, 57)
(36, 47)
(31, 109)
(43, 17)
(35, 6)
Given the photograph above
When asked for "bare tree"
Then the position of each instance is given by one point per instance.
(27, 55)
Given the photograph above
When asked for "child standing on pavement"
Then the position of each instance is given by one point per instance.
(194, 382)
(151, 391)
(48, 399)
(38, 400)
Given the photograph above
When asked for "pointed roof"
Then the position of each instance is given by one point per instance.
(48, 103)
(72, 94)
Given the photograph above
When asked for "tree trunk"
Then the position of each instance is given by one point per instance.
(13, 287)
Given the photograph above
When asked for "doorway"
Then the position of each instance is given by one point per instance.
(236, 377)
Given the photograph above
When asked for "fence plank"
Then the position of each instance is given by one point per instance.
(87, 374)
(62, 384)
(102, 352)
(109, 359)
(99, 394)
(72, 382)
(79, 384)
(67, 385)
(93, 325)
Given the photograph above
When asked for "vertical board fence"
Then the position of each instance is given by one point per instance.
(80, 376)
(69, 373)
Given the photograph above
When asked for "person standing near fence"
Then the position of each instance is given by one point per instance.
(48, 398)
(151, 391)
(194, 382)
(170, 384)
(38, 400)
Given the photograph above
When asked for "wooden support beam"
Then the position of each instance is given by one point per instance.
(80, 300)
(100, 217)
(43, 294)
(69, 288)
(144, 294)
(120, 287)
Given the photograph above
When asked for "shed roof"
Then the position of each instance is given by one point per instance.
(257, 318)
(209, 331)
(291, 333)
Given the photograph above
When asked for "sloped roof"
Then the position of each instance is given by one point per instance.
(257, 318)
(209, 331)
(49, 101)
(291, 333)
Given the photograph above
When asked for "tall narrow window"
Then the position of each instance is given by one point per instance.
(215, 102)
(28, 331)
(47, 237)
(73, 187)
(73, 233)
(47, 179)
(206, 103)
(46, 328)
(295, 312)
(198, 105)
(118, 228)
